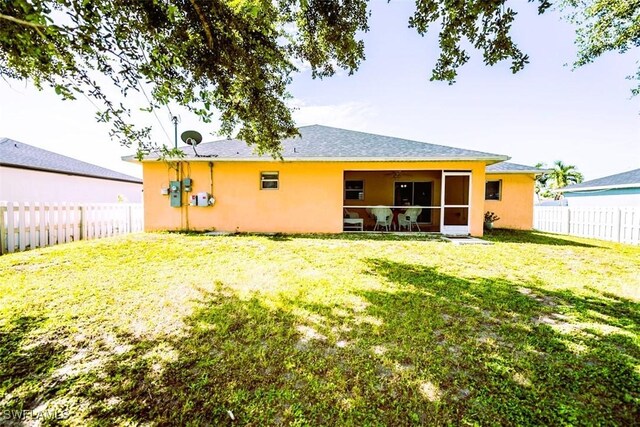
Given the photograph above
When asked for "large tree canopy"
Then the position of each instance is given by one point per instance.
(604, 26)
(237, 56)
(233, 56)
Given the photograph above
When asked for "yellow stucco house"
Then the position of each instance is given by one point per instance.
(332, 180)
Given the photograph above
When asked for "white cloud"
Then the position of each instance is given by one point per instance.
(302, 65)
(350, 115)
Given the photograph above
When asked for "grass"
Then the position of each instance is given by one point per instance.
(180, 329)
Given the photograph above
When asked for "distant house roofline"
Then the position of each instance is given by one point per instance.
(595, 188)
(133, 180)
(18, 155)
(628, 179)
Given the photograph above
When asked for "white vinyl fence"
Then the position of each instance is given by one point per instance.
(614, 224)
(26, 226)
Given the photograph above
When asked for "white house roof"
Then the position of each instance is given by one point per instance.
(324, 143)
(23, 156)
(629, 179)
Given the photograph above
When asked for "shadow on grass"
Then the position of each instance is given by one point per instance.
(242, 362)
(526, 355)
(520, 236)
(429, 349)
(26, 367)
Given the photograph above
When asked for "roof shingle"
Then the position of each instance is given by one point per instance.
(513, 168)
(624, 179)
(327, 143)
(19, 155)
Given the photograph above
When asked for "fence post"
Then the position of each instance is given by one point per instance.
(3, 209)
(32, 225)
(83, 230)
(617, 225)
(565, 226)
(130, 220)
(11, 229)
(62, 223)
(53, 224)
(42, 220)
(22, 238)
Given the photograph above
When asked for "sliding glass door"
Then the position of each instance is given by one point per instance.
(413, 193)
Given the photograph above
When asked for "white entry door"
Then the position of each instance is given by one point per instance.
(456, 203)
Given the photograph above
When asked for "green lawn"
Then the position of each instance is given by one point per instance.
(175, 329)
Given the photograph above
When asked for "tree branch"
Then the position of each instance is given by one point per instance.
(205, 24)
(21, 21)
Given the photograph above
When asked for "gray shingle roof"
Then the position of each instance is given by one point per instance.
(620, 180)
(328, 143)
(19, 155)
(507, 167)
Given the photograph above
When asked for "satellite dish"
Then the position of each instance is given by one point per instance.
(191, 137)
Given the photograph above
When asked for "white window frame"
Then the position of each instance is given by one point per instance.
(359, 191)
(263, 180)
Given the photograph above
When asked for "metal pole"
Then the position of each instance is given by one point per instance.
(175, 128)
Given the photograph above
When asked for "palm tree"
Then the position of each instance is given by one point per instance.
(562, 175)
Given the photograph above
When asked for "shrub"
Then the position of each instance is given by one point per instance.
(490, 217)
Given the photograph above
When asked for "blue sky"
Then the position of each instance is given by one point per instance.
(546, 112)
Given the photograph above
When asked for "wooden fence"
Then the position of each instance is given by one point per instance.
(26, 226)
(614, 224)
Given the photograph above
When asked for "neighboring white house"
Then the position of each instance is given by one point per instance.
(620, 190)
(31, 174)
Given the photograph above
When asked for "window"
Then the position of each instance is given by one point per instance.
(493, 190)
(269, 180)
(354, 190)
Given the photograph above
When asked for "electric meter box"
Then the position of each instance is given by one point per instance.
(201, 199)
(175, 194)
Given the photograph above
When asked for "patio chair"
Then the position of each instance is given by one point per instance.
(349, 214)
(409, 218)
(383, 217)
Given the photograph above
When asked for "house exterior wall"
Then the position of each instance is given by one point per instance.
(309, 200)
(24, 185)
(515, 207)
(618, 197)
